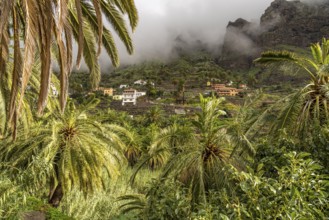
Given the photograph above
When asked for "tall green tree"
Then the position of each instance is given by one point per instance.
(308, 106)
(199, 159)
(77, 152)
(48, 28)
(10, 118)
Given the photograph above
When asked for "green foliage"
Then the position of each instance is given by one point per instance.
(34, 204)
(299, 192)
(195, 69)
(76, 151)
(200, 152)
(223, 162)
(11, 197)
(271, 154)
(307, 108)
(164, 200)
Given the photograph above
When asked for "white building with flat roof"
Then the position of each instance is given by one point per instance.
(123, 86)
(140, 82)
(131, 95)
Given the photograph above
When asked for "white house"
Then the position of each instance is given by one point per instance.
(122, 86)
(140, 82)
(54, 90)
(131, 95)
(139, 94)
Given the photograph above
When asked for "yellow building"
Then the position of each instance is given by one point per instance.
(227, 91)
(108, 91)
(218, 86)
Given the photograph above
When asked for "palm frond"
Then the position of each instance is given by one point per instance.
(79, 25)
(90, 53)
(31, 31)
(97, 7)
(129, 7)
(118, 23)
(317, 53)
(270, 57)
(108, 40)
(45, 23)
(15, 75)
(6, 7)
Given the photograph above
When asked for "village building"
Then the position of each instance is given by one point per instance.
(140, 82)
(227, 91)
(218, 86)
(123, 86)
(131, 95)
(106, 91)
(230, 83)
(222, 90)
(243, 86)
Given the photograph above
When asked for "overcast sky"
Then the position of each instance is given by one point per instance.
(161, 21)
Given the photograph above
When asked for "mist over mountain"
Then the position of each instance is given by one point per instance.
(192, 21)
(168, 26)
(284, 23)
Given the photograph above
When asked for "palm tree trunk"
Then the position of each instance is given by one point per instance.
(56, 197)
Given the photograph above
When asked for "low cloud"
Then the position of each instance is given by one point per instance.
(315, 1)
(162, 21)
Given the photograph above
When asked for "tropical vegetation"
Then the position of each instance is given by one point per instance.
(72, 159)
(47, 30)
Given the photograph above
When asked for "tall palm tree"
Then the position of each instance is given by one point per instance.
(77, 151)
(199, 159)
(9, 119)
(154, 115)
(48, 27)
(309, 105)
(120, 123)
(156, 150)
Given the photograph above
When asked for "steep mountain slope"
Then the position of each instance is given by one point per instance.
(284, 22)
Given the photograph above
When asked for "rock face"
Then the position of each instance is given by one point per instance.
(240, 44)
(34, 215)
(283, 23)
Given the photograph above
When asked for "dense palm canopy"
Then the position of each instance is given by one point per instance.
(309, 105)
(77, 151)
(47, 28)
(195, 155)
(10, 122)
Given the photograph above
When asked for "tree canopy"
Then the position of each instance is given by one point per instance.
(48, 29)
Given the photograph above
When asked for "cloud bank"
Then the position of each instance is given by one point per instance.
(162, 21)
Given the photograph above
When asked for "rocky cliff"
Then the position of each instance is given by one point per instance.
(283, 23)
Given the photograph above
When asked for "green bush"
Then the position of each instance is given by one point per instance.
(299, 192)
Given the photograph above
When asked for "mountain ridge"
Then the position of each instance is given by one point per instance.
(283, 23)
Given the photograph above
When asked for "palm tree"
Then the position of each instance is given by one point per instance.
(156, 150)
(48, 29)
(9, 119)
(199, 159)
(132, 142)
(155, 115)
(77, 151)
(120, 123)
(308, 106)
